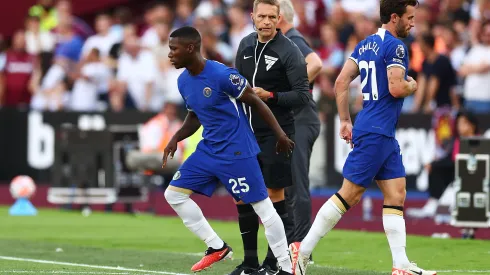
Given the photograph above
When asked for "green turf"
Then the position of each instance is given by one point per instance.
(163, 244)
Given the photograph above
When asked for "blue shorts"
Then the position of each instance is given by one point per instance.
(242, 178)
(374, 156)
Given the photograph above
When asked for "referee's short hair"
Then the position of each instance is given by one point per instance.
(268, 2)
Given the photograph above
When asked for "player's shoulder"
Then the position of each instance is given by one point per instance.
(393, 43)
(218, 69)
(182, 78)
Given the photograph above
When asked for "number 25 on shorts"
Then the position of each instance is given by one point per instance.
(239, 185)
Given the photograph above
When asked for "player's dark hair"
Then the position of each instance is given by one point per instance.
(428, 39)
(187, 33)
(388, 7)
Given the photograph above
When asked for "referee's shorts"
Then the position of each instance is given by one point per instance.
(276, 168)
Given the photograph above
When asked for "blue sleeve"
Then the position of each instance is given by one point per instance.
(355, 54)
(179, 86)
(233, 83)
(396, 54)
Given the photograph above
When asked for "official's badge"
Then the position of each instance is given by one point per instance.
(176, 175)
(207, 92)
(400, 51)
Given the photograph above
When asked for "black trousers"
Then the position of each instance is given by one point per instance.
(298, 195)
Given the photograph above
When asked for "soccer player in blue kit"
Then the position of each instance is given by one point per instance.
(215, 96)
(382, 62)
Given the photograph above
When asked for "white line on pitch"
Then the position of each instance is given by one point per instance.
(89, 266)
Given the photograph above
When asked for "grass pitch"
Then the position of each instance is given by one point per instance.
(63, 242)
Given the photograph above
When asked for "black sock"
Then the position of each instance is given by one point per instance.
(249, 227)
(281, 209)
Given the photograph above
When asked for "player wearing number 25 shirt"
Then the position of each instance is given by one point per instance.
(375, 124)
(215, 96)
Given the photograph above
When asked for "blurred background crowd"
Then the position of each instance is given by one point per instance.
(58, 61)
(116, 60)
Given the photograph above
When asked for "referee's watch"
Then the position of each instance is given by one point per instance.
(272, 97)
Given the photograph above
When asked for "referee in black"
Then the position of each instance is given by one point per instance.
(276, 69)
(307, 125)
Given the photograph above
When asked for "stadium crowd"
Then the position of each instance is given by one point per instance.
(59, 62)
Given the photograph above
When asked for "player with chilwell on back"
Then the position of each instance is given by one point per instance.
(382, 62)
(215, 96)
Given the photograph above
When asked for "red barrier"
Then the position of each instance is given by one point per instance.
(223, 208)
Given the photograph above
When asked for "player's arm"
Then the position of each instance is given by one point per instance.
(298, 80)
(398, 86)
(396, 58)
(250, 98)
(189, 127)
(348, 73)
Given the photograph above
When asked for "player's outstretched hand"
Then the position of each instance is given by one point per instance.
(169, 150)
(284, 144)
(346, 132)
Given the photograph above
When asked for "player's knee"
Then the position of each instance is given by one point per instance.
(174, 197)
(396, 197)
(265, 210)
(351, 193)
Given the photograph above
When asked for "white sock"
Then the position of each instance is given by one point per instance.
(193, 219)
(274, 232)
(328, 216)
(394, 226)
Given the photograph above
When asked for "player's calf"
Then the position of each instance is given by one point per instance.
(195, 221)
(275, 233)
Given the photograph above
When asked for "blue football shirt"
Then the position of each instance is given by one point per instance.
(214, 96)
(374, 55)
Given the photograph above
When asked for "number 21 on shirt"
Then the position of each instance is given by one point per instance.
(370, 74)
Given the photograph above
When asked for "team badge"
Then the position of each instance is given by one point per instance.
(400, 51)
(235, 79)
(207, 92)
(176, 175)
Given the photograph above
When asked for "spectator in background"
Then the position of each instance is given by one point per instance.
(332, 56)
(154, 136)
(240, 26)
(156, 12)
(16, 74)
(129, 31)
(476, 69)
(214, 49)
(37, 40)
(122, 16)
(184, 13)
(50, 89)
(92, 77)
(441, 171)
(80, 28)
(102, 40)
(436, 81)
(311, 14)
(136, 78)
(46, 12)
